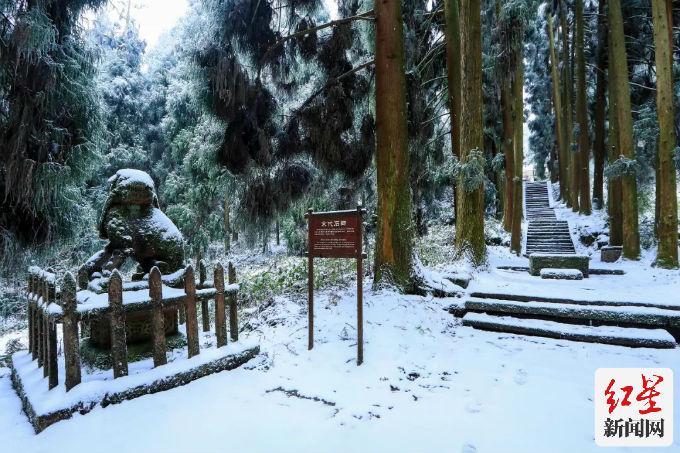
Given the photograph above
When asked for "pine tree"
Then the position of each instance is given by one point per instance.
(667, 227)
(394, 236)
(624, 124)
(518, 153)
(50, 128)
(470, 222)
(557, 100)
(599, 146)
(583, 158)
(452, 36)
(570, 191)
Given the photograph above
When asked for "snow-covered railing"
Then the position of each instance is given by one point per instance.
(49, 305)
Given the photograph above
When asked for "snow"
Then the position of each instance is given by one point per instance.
(550, 272)
(610, 331)
(38, 272)
(96, 384)
(88, 300)
(128, 176)
(161, 222)
(427, 384)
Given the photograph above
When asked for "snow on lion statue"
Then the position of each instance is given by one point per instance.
(136, 228)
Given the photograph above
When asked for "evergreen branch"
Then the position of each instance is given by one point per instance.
(368, 15)
(435, 118)
(434, 50)
(333, 82)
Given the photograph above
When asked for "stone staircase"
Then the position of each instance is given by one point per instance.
(552, 254)
(545, 234)
(626, 323)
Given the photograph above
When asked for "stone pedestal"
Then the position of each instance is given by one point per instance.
(610, 253)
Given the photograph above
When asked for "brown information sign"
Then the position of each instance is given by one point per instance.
(336, 234)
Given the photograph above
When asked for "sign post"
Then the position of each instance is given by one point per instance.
(336, 234)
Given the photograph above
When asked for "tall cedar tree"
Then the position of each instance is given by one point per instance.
(518, 151)
(600, 107)
(614, 184)
(569, 190)
(394, 239)
(511, 22)
(470, 222)
(452, 34)
(507, 129)
(557, 103)
(583, 158)
(621, 105)
(667, 227)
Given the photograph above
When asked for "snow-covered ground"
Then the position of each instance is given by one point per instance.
(427, 383)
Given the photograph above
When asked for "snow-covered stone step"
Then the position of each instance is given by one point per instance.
(561, 232)
(556, 239)
(561, 274)
(548, 228)
(543, 224)
(561, 300)
(550, 244)
(550, 248)
(629, 315)
(623, 336)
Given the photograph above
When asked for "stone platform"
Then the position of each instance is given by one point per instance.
(45, 407)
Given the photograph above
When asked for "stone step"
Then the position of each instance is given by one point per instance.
(562, 300)
(582, 314)
(549, 233)
(622, 336)
(549, 239)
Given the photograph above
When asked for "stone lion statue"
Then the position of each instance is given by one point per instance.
(136, 228)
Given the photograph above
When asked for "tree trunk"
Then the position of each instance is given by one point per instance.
(518, 153)
(566, 108)
(499, 183)
(394, 238)
(622, 109)
(575, 155)
(277, 226)
(667, 222)
(227, 226)
(614, 184)
(453, 75)
(508, 150)
(600, 108)
(559, 115)
(470, 224)
(582, 116)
